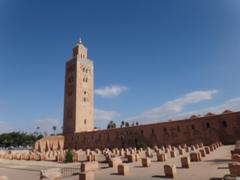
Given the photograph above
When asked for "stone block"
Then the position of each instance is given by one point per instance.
(87, 151)
(207, 150)
(170, 171)
(236, 157)
(122, 152)
(51, 174)
(173, 154)
(114, 162)
(214, 146)
(180, 151)
(201, 145)
(185, 161)
(89, 166)
(146, 162)
(183, 145)
(235, 151)
(131, 158)
(137, 157)
(166, 150)
(195, 156)
(187, 149)
(159, 151)
(87, 176)
(234, 168)
(196, 146)
(161, 157)
(123, 169)
(192, 148)
(149, 153)
(202, 152)
(91, 157)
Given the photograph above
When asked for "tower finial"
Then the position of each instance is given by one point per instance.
(80, 41)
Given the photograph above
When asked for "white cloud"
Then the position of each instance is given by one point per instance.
(173, 107)
(46, 125)
(231, 104)
(102, 117)
(110, 91)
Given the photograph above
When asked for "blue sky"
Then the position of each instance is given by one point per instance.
(154, 60)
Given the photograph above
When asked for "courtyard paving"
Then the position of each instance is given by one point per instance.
(213, 167)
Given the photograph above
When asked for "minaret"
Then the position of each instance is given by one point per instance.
(78, 95)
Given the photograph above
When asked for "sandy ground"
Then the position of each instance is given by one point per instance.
(213, 167)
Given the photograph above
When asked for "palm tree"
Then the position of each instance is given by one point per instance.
(54, 129)
(122, 124)
(111, 125)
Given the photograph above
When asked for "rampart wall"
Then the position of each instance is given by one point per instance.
(208, 129)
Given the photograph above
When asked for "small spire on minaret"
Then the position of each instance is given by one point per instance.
(80, 41)
(80, 49)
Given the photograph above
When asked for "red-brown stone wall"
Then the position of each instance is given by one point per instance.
(208, 129)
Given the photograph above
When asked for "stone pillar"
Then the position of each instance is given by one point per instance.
(170, 171)
(207, 150)
(89, 166)
(131, 158)
(202, 152)
(234, 168)
(180, 151)
(185, 161)
(173, 154)
(195, 156)
(146, 162)
(161, 157)
(87, 176)
(114, 162)
(123, 169)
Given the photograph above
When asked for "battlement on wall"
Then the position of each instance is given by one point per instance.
(207, 129)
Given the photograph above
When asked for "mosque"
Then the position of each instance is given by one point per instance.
(78, 121)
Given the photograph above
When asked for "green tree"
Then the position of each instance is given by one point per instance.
(19, 139)
(111, 125)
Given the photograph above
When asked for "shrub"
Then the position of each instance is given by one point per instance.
(141, 145)
(68, 156)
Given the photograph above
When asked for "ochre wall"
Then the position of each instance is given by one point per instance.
(50, 143)
(208, 129)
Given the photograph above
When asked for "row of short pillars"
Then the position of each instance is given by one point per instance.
(169, 170)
